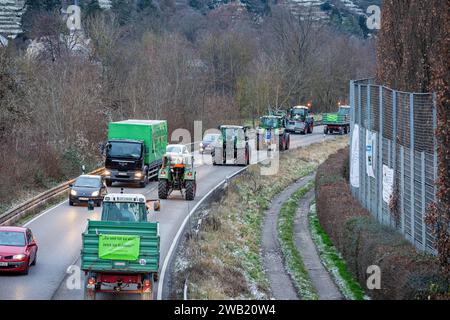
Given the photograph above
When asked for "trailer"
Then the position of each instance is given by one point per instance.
(134, 150)
(337, 122)
(120, 253)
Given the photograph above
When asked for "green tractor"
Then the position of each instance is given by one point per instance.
(232, 146)
(177, 173)
(272, 132)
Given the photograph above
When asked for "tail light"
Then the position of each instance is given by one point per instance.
(189, 174)
(147, 286)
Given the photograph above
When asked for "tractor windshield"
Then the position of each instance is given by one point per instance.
(298, 113)
(123, 211)
(269, 122)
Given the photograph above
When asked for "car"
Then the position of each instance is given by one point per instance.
(208, 142)
(18, 249)
(87, 187)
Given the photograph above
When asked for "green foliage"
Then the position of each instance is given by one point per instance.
(333, 261)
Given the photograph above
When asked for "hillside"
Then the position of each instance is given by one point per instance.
(348, 15)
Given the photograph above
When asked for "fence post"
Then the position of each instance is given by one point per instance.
(361, 174)
(368, 180)
(402, 188)
(380, 157)
(435, 144)
(411, 133)
(424, 226)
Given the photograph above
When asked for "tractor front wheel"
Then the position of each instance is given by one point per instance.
(190, 190)
(162, 188)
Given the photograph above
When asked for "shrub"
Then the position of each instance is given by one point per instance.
(362, 241)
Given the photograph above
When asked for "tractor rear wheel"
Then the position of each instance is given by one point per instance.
(162, 189)
(281, 143)
(190, 190)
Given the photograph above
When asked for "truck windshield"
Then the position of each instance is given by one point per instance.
(269, 122)
(123, 211)
(124, 150)
(12, 238)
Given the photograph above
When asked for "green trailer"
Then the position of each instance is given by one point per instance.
(337, 122)
(120, 253)
(134, 150)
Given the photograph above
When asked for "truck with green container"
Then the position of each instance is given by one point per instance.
(338, 121)
(134, 150)
(120, 253)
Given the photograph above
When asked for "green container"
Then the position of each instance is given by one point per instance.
(147, 260)
(335, 119)
(152, 132)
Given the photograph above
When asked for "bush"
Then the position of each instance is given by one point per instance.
(362, 241)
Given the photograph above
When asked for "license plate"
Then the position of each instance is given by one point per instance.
(122, 174)
(3, 264)
(83, 199)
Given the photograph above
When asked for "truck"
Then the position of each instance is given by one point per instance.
(338, 121)
(177, 173)
(271, 133)
(120, 252)
(134, 151)
(299, 120)
(232, 147)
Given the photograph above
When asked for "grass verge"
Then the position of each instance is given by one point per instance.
(223, 260)
(333, 260)
(292, 257)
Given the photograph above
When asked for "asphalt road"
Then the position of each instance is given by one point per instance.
(58, 233)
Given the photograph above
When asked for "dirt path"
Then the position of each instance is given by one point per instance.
(321, 279)
(280, 281)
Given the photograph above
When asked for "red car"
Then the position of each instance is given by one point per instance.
(18, 249)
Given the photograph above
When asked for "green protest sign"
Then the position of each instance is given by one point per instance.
(118, 247)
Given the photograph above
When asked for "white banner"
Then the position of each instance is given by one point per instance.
(388, 183)
(370, 148)
(354, 158)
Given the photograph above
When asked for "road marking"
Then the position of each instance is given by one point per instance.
(181, 229)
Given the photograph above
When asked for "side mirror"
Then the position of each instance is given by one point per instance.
(146, 149)
(32, 243)
(90, 205)
(70, 185)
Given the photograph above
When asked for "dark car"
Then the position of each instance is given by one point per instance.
(18, 249)
(87, 187)
(208, 140)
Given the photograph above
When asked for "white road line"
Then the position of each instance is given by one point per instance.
(180, 231)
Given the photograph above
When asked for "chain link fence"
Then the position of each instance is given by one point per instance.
(401, 128)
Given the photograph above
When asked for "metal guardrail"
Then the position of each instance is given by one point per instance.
(22, 210)
(13, 214)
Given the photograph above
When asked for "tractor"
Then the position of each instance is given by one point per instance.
(177, 173)
(232, 146)
(271, 133)
(300, 120)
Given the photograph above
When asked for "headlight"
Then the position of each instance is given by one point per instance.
(73, 192)
(201, 144)
(19, 257)
(95, 193)
(138, 174)
(107, 173)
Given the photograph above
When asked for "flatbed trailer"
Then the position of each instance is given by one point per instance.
(337, 122)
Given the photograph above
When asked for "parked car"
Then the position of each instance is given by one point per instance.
(18, 249)
(87, 187)
(207, 143)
